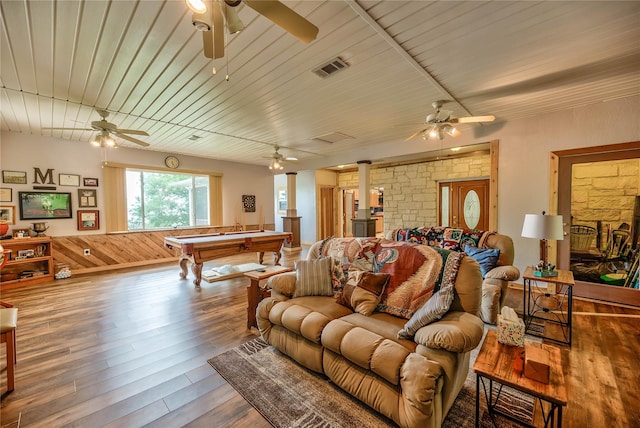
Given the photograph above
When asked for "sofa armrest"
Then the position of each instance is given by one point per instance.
(455, 332)
(507, 273)
(283, 284)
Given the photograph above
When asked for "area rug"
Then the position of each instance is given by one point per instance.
(288, 395)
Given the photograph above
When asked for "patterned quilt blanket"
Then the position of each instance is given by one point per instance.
(416, 271)
(443, 237)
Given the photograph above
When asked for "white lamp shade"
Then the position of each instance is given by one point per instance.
(543, 226)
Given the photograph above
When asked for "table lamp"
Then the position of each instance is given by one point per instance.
(543, 227)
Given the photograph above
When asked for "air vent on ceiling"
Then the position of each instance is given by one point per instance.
(334, 137)
(331, 67)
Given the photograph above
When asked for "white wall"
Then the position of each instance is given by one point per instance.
(279, 181)
(22, 152)
(525, 147)
(306, 204)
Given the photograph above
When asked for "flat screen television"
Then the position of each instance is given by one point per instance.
(44, 205)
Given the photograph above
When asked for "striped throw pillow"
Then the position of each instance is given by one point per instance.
(431, 311)
(313, 277)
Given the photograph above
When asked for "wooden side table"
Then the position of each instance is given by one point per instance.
(255, 293)
(495, 363)
(546, 307)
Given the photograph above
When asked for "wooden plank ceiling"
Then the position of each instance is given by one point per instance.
(142, 61)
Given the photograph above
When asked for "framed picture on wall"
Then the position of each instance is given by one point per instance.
(8, 214)
(88, 220)
(14, 177)
(69, 179)
(6, 194)
(90, 182)
(87, 198)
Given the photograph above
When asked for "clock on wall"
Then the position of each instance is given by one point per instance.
(172, 162)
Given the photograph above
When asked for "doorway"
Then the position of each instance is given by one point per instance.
(464, 204)
(326, 223)
(565, 162)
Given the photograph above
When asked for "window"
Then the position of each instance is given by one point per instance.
(158, 200)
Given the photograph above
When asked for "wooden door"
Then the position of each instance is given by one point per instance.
(465, 204)
(326, 221)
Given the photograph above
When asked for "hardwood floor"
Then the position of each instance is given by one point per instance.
(130, 348)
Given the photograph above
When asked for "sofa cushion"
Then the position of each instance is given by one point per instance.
(433, 310)
(455, 332)
(307, 316)
(283, 283)
(380, 323)
(487, 258)
(365, 348)
(313, 277)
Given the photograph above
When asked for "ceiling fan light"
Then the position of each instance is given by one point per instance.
(97, 140)
(451, 130)
(434, 132)
(196, 6)
(108, 141)
(234, 24)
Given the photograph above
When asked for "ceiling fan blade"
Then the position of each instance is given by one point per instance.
(286, 18)
(207, 43)
(414, 135)
(132, 131)
(213, 40)
(218, 30)
(133, 140)
(473, 119)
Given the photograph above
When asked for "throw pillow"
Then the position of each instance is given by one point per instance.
(344, 297)
(313, 277)
(487, 258)
(367, 294)
(433, 310)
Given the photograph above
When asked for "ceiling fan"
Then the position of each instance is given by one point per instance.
(209, 16)
(105, 131)
(277, 159)
(440, 122)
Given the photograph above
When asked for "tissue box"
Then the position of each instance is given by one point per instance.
(536, 362)
(510, 332)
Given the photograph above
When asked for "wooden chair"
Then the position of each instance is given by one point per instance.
(8, 324)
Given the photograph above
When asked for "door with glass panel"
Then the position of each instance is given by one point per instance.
(464, 204)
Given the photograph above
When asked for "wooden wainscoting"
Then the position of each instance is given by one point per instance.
(123, 250)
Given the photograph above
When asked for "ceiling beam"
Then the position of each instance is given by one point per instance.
(403, 53)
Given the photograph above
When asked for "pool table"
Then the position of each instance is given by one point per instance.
(197, 249)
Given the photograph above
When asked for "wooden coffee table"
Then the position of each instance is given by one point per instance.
(255, 293)
(495, 363)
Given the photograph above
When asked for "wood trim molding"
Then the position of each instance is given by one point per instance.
(157, 168)
(494, 149)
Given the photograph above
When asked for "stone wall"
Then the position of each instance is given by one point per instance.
(604, 191)
(411, 191)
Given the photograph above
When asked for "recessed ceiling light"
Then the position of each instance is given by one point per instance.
(455, 149)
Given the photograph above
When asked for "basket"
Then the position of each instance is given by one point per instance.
(62, 271)
(581, 237)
